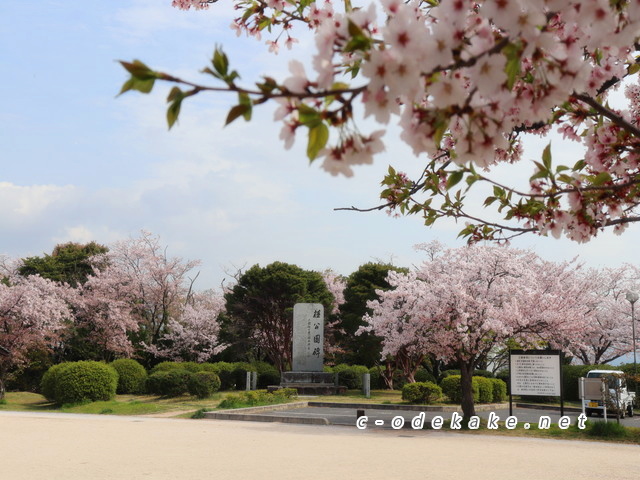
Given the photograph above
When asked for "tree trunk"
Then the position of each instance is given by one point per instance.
(387, 374)
(466, 373)
(2, 387)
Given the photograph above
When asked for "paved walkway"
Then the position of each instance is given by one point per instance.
(97, 447)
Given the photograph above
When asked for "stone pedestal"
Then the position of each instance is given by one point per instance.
(309, 383)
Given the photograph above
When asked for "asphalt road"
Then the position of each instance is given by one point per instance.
(348, 416)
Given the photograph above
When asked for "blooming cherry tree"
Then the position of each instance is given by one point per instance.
(609, 332)
(464, 302)
(466, 81)
(194, 334)
(32, 311)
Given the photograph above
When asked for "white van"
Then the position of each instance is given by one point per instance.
(623, 398)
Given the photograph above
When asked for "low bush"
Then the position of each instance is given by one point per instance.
(169, 383)
(424, 375)
(85, 381)
(203, 384)
(350, 375)
(239, 374)
(499, 390)
(258, 397)
(421, 392)
(165, 367)
(483, 373)
(447, 373)
(224, 370)
(131, 376)
(451, 388)
(48, 382)
(485, 389)
(267, 374)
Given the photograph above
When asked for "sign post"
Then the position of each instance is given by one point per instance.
(535, 372)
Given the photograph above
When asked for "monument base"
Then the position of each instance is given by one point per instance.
(309, 383)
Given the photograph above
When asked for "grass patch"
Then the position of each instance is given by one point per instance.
(610, 431)
(258, 398)
(121, 405)
(113, 407)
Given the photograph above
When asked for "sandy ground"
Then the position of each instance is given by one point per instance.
(91, 447)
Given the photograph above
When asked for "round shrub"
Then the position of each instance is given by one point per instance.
(224, 370)
(48, 383)
(451, 388)
(165, 367)
(169, 383)
(504, 376)
(377, 383)
(424, 375)
(421, 392)
(239, 374)
(207, 367)
(499, 390)
(203, 384)
(447, 373)
(350, 375)
(483, 373)
(267, 374)
(485, 389)
(85, 381)
(131, 376)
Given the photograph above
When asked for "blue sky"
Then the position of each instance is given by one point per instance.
(79, 164)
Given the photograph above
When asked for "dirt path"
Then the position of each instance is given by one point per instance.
(91, 447)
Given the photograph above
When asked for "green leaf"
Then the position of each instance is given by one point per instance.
(308, 116)
(454, 178)
(601, 179)
(174, 111)
(235, 112)
(139, 70)
(174, 93)
(220, 62)
(318, 137)
(546, 156)
(512, 67)
(244, 99)
(144, 86)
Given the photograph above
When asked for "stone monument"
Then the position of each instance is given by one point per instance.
(307, 375)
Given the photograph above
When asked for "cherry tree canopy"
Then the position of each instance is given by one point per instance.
(465, 80)
(464, 302)
(609, 332)
(32, 311)
(194, 334)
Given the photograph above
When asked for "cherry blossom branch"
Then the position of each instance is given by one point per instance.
(615, 118)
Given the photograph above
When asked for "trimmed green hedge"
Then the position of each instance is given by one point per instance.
(421, 392)
(83, 381)
(169, 383)
(350, 375)
(131, 376)
(499, 390)
(48, 382)
(203, 384)
(485, 390)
